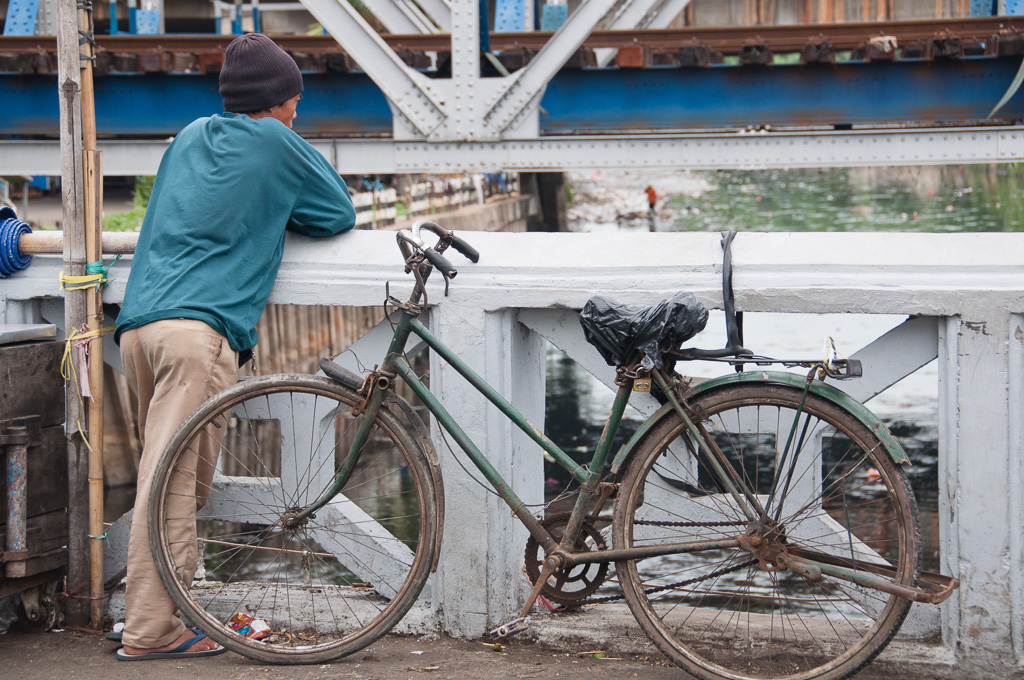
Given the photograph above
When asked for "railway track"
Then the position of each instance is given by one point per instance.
(974, 35)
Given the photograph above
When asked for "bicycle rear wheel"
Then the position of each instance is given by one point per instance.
(732, 612)
(325, 587)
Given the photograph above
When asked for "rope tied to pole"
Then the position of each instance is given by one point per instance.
(96, 276)
(86, 37)
(101, 537)
(12, 259)
(76, 351)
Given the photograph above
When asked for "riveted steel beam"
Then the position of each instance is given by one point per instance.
(401, 16)
(524, 88)
(409, 93)
(637, 14)
(695, 152)
(440, 11)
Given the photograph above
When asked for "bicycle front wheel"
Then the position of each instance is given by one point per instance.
(243, 569)
(817, 484)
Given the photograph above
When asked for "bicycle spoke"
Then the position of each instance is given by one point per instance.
(763, 620)
(329, 583)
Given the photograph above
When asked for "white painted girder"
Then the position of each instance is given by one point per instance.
(525, 87)
(400, 16)
(637, 14)
(440, 11)
(666, 12)
(410, 93)
(923, 146)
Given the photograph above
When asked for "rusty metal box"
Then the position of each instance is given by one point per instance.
(31, 416)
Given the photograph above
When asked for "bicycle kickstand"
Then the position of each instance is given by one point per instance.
(519, 625)
(509, 629)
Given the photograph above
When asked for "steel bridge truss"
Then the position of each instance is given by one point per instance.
(479, 120)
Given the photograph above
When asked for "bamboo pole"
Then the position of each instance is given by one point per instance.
(52, 242)
(93, 199)
(69, 82)
(94, 315)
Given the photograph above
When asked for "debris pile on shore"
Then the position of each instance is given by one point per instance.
(613, 199)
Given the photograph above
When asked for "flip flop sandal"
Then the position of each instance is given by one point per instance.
(179, 652)
(118, 635)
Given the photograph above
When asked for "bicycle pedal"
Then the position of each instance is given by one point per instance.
(509, 629)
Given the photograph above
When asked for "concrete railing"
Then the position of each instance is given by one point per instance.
(963, 296)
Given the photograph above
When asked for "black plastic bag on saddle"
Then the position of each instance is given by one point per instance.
(618, 331)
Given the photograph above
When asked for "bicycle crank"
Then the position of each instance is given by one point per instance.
(568, 586)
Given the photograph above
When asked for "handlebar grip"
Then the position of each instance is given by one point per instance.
(466, 249)
(440, 262)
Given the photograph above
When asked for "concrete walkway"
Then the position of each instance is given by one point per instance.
(557, 645)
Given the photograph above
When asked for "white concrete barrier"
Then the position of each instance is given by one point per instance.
(965, 293)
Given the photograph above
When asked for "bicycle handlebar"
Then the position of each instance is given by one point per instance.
(410, 241)
(466, 249)
(440, 263)
(439, 231)
(415, 251)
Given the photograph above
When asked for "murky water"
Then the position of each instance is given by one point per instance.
(934, 199)
(938, 199)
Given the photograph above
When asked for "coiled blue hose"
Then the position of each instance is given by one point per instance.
(11, 228)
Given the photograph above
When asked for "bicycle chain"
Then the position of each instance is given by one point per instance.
(689, 524)
(678, 584)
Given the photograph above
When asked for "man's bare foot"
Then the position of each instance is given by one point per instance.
(203, 645)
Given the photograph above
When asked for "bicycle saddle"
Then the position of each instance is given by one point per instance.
(618, 331)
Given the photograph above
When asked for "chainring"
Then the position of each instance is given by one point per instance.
(568, 586)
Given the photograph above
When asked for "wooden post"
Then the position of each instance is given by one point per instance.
(82, 188)
(69, 81)
(865, 10)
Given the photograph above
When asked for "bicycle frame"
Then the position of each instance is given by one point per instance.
(593, 493)
(589, 475)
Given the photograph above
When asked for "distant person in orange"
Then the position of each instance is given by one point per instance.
(652, 196)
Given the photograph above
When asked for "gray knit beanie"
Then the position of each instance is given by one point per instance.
(257, 75)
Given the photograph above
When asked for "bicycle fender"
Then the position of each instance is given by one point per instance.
(819, 388)
(404, 412)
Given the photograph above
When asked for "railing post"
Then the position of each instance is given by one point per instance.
(979, 464)
(480, 583)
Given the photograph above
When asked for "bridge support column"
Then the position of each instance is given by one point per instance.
(549, 188)
(480, 583)
(981, 381)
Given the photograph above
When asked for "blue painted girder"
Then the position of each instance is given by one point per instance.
(954, 91)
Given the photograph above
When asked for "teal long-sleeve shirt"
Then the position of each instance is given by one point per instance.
(212, 239)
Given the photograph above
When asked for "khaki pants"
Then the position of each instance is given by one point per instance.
(172, 366)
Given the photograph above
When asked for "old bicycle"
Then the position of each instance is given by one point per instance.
(762, 525)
